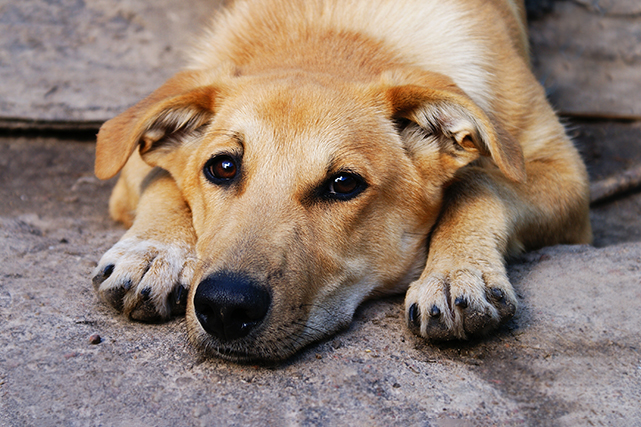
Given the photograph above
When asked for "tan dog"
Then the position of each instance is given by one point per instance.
(310, 155)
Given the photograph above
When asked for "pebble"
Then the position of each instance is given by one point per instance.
(95, 339)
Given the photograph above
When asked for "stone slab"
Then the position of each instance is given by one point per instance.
(608, 147)
(571, 357)
(86, 61)
(587, 54)
(74, 63)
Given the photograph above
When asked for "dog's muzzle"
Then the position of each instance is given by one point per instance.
(230, 305)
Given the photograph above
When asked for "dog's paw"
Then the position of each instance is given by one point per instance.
(459, 303)
(146, 280)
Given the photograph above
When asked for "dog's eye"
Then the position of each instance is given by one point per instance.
(345, 186)
(221, 169)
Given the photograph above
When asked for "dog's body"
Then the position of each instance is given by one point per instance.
(312, 152)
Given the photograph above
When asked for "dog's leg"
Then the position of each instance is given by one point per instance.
(464, 289)
(147, 273)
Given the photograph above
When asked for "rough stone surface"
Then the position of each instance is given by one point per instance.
(67, 62)
(609, 148)
(77, 60)
(572, 355)
(587, 54)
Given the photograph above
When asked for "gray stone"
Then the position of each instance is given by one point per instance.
(79, 61)
(73, 63)
(588, 57)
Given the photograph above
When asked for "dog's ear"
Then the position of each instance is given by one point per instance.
(449, 115)
(157, 123)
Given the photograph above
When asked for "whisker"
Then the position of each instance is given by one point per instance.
(327, 310)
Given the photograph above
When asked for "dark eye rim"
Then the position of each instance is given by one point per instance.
(211, 177)
(331, 194)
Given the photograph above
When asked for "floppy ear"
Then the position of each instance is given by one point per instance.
(453, 117)
(157, 123)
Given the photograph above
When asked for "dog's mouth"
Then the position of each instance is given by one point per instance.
(240, 356)
(246, 351)
(270, 342)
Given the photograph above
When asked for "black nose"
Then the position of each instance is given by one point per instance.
(230, 305)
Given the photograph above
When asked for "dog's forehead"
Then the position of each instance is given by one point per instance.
(308, 119)
(297, 105)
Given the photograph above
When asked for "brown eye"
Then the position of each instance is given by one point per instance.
(221, 169)
(345, 186)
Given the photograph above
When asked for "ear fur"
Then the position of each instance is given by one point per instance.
(180, 106)
(452, 114)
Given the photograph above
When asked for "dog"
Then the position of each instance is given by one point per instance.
(314, 154)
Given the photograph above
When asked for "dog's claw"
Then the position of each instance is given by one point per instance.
(108, 270)
(102, 276)
(435, 311)
(145, 280)
(414, 315)
(461, 302)
(179, 295)
(505, 307)
(178, 300)
(497, 294)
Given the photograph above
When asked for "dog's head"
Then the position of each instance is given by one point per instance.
(308, 194)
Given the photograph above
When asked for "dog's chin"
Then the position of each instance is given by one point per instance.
(256, 349)
(237, 356)
(244, 352)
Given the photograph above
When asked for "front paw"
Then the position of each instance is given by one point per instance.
(459, 302)
(145, 279)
